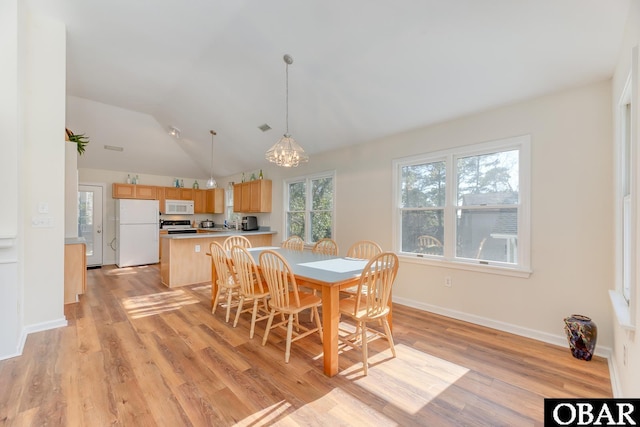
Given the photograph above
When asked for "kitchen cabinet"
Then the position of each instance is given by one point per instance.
(200, 201)
(252, 196)
(215, 200)
(186, 194)
(75, 270)
(171, 193)
(133, 191)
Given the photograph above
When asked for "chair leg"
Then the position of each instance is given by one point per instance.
(229, 296)
(266, 332)
(287, 352)
(365, 353)
(240, 304)
(314, 311)
(253, 317)
(387, 330)
(215, 301)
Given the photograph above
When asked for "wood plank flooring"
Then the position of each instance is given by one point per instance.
(136, 353)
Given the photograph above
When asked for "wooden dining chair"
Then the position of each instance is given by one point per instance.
(287, 300)
(251, 287)
(235, 240)
(364, 249)
(294, 242)
(325, 246)
(226, 282)
(371, 303)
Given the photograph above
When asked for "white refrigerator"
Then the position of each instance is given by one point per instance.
(137, 232)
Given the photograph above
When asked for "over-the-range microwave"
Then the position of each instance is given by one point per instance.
(178, 207)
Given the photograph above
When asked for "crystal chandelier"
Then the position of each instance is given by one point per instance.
(286, 152)
(211, 183)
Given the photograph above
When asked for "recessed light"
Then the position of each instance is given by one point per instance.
(265, 127)
(174, 131)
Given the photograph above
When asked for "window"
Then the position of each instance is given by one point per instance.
(310, 206)
(468, 205)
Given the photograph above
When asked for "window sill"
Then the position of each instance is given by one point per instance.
(487, 269)
(621, 309)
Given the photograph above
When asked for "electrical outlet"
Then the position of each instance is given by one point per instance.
(447, 281)
(197, 248)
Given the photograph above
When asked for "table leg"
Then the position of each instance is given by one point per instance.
(330, 321)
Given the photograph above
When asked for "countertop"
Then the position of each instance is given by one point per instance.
(210, 234)
(74, 240)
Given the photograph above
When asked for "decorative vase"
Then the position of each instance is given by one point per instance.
(582, 334)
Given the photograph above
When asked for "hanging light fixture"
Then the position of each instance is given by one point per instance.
(286, 152)
(211, 183)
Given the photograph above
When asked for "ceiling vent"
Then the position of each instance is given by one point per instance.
(265, 127)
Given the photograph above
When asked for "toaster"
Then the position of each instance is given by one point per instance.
(249, 223)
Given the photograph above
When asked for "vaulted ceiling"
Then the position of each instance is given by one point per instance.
(363, 69)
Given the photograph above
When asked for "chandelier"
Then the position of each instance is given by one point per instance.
(286, 152)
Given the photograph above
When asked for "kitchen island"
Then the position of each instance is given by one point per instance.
(184, 259)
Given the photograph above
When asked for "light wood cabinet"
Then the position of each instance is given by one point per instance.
(186, 194)
(123, 191)
(134, 191)
(200, 201)
(215, 200)
(171, 193)
(252, 196)
(204, 201)
(75, 271)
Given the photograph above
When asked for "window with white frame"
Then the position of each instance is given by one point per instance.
(310, 206)
(467, 205)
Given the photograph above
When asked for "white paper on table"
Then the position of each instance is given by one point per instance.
(337, 265)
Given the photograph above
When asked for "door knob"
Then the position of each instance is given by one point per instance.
(99, 231)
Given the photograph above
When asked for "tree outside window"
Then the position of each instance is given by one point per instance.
(310, 207)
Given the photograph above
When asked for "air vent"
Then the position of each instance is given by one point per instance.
(265, 127)
(113, 148)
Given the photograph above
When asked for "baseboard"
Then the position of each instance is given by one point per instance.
(39, 327)
(559, 340)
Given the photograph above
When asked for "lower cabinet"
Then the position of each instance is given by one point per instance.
(75, 271)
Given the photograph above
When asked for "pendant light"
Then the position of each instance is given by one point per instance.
(211, 183)
(286, 152)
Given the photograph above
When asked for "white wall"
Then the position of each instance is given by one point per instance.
(42, 180)
(10, 292)
(628, 376)
(32, 170)
(571, 215)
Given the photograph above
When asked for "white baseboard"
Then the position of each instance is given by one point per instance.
(559, 340)
(38, 327)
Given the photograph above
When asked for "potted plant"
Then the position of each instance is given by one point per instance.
(81, 140)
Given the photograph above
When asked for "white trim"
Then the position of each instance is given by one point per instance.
(523, 144)
(37, 327)
(7, 241)
(621, 310)
(559, 340)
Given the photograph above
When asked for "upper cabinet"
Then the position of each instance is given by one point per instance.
(134, 191)
(204, 201)
(252, 196)
(214, 200)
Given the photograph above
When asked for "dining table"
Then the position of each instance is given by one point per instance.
(327, 274)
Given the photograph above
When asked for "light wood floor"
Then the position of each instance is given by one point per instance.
(138, 354)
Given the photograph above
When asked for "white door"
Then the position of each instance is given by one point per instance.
(90, 221)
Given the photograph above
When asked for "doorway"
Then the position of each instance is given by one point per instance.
(90, 221)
